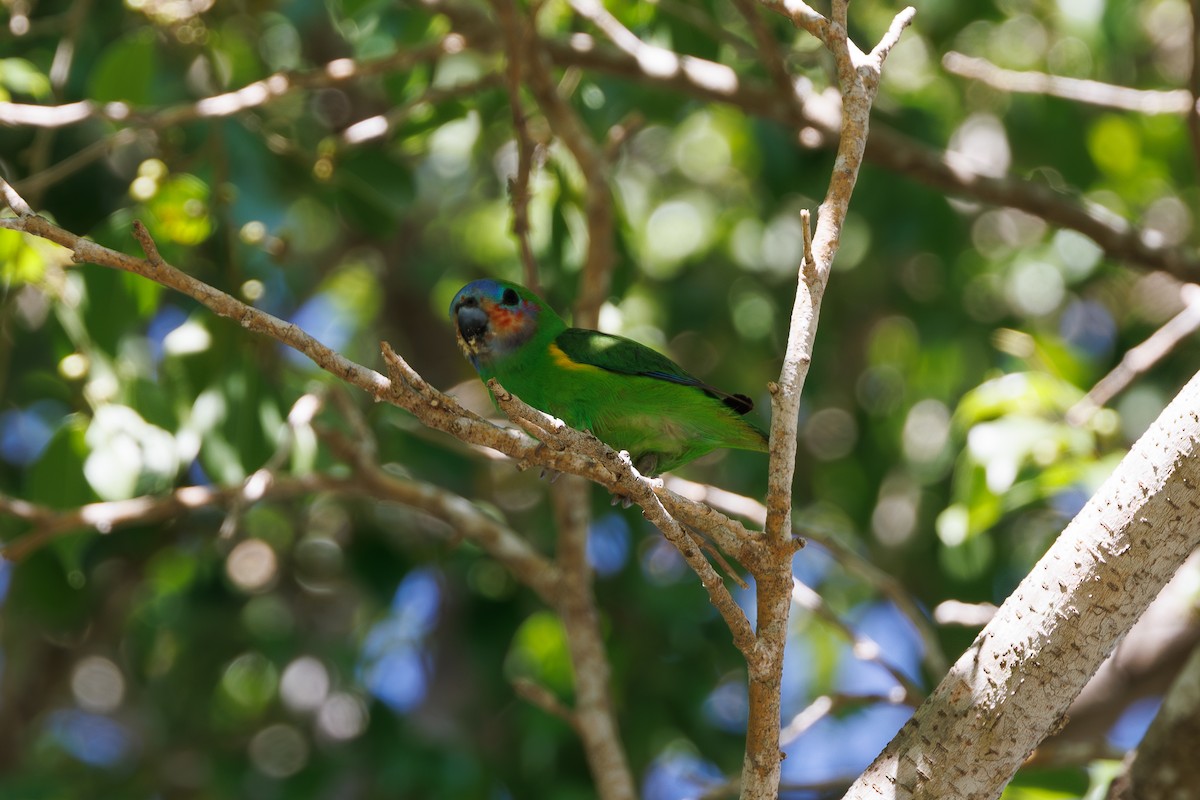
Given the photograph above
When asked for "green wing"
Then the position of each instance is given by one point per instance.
(627, 357)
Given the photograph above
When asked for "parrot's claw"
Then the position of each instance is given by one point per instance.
(550, 474)
(624, 500)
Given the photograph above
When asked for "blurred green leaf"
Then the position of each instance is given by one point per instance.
(125, 71)
(179, 210)
(23, 77)
(19, 261)
(57, 479)
(539, 653)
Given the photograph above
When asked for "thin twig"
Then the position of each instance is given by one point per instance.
(14, 200)
(518, 189)
(768, 48)
(1094, 93)
(106, 517)
(1140, 359)
(858, 81)
(881, 580)
(258, 483)
(497, 540)
(864, 647)
(1193, 110)
(252, 95)
(544, 699)
(821, 707)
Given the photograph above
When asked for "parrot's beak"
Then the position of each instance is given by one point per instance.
(473, 323)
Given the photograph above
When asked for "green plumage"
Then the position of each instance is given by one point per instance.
(628, 395)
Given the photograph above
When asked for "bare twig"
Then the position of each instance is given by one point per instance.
(256, 485)
(827, 704)
(80, 159)
(1193, 110)
(498, 541)
(767, 48)
(514, 37)
(1141, 358)
(106, 517)
(14, 200)
(864, 647)
(380, 125)
(1095, 93)
(886, 584)
(251, 95)
(968, 615)
(544, 699)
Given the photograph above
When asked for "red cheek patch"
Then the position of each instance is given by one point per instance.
(506, 320)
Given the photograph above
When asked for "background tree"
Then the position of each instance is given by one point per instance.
(312, 595)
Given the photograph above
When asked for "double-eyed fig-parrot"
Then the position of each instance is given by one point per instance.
(629, 396)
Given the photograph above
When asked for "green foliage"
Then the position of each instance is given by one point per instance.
(318, 644)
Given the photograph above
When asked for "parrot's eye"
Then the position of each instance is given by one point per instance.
(509, 298)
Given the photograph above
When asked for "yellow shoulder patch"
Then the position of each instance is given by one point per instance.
(564, 361)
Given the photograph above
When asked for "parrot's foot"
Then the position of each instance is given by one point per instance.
(647, 464)
(550, 474)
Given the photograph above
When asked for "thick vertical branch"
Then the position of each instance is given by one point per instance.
(858, 79)
(1014, 684)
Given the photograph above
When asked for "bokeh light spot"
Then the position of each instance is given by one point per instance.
(279, 751)
(252, 565)
(305, 684)
(97, 684)
(342, 717)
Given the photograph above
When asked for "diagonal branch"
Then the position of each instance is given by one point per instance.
(1141, 358)
(878, 578)
(1014, 684)
(404, 387)
(1094, 93)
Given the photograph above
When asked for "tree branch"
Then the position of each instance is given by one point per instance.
(518, 187)
(1014, 684)
(1140, 359)
(598, 202)
(858, 81)
(887, 147)
(596, 723)
(1094, 93)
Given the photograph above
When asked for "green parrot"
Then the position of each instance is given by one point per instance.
(629, 396)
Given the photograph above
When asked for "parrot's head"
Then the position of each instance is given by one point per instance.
(494, 318)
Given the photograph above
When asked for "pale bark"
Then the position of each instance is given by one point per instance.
(1012, 687)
